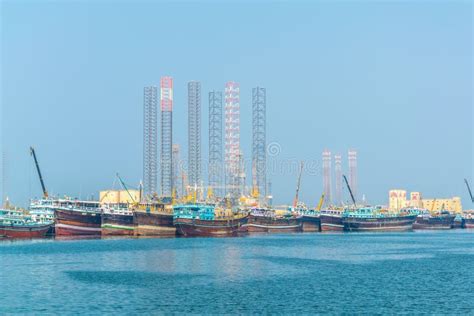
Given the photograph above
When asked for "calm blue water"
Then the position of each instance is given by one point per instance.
(421, 272)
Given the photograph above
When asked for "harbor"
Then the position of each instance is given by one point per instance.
(236, 158)
(72, 218)
(129, 213)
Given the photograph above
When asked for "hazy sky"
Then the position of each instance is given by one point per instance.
(392, 80)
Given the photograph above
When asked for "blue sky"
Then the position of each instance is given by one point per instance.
(390, 79)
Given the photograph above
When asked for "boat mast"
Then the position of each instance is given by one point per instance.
(350, 191)
(45, 193)
(469, 189)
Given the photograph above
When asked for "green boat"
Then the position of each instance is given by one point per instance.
(376, 219)
(17, 224)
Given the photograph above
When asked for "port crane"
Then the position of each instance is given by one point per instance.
(469, 189)
(295, 201)
(321, 201)
(45, 192)
(350, 191)
(126, 189)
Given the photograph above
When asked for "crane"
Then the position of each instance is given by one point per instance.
(45, 192)
(350, 191)
(126, 189)
(295, 202)
(433, 205)
(469, 189)
(321, 201)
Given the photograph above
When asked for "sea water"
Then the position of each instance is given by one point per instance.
(415, 272)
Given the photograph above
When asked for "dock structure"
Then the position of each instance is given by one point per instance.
(166, 162)
(215, 168)
(194, 133)
(150, 139)
(259, 145)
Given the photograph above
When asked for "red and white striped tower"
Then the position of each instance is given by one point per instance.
(232, 139)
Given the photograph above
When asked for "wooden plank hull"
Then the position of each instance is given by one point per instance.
(311, 223)
(117, 225)
(209, 228)
(38, 231)
(434, 222)
(382, 224)
(153, 224)
(77, 223)
(113, 230)
(331, 223)
(263, 224)
(74, 230)
(469, 223)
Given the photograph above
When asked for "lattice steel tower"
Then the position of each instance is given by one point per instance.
(338, 172)
(259, 156)
(232, 139)
(327, 176)
(352, 155)
(166, 136)
(215, 171)
(150, 139)
(194, 133)
(176, 171)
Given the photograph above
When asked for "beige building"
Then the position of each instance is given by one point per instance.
(119, 196)
(415, 200)
(452, 205)
(398, 199)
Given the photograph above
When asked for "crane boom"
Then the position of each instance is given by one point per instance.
(45, 192)
(295, 201)
(321, 201)
(125, 187)
(469, 189)
(350, 191)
